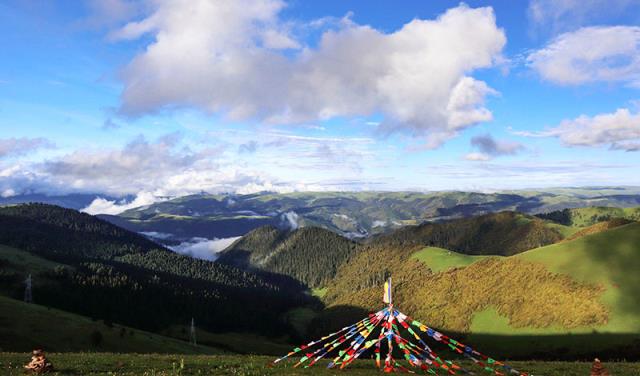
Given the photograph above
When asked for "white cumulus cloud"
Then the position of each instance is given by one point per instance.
(241, 59)
(104, 206)
(620, 130)
(203, 248)
(591, 54)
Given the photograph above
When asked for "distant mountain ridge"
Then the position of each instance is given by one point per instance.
(351, 214)
(75, 201)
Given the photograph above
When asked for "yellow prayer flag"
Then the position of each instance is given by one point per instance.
(387, 292)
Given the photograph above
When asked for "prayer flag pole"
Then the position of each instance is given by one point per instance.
(386, 327)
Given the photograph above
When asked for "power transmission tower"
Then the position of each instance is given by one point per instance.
(192, 333)
(28, 297)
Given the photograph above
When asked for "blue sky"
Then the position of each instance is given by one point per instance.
(164, 98)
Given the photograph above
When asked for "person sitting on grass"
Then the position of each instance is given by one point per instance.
(597, 369)
(39, 363)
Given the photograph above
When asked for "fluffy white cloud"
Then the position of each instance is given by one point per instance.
(163, 167)
(620, 130)
(591, 54)
(154, 169)
(229, 57)
(104, 206)
(203, 248)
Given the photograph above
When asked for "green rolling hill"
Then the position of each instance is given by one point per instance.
(572, 298)
(582, 217)
(609, 259)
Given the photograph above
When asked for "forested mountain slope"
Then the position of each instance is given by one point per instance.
(311, 255)
(106, 272)
(503, 233)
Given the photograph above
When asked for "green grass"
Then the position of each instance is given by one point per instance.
(524, 341)
(18, 263)
(239, 343)
(300, 318)
(583, 217)
(319, 292)
(440, 260)
(27, 326)
(611, 259)
(523, 220)
(23, 261)
(566, 231)
(165, 365)
(490, 321)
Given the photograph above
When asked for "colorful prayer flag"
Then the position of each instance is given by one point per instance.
(387, 292)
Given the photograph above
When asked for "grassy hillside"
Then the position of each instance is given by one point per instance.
(582, 293)
(440, 260)
(57, 330)
(583, 217)
(610, 259)
(596, 228)
(24, 327)
(311, 255)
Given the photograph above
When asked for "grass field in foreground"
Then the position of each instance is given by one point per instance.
(164, 365)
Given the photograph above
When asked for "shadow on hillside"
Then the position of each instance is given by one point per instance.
(519, 347)
(584, 347)
(624, 264)
(333, 319)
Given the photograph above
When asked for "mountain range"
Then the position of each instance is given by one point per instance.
(554, 284)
